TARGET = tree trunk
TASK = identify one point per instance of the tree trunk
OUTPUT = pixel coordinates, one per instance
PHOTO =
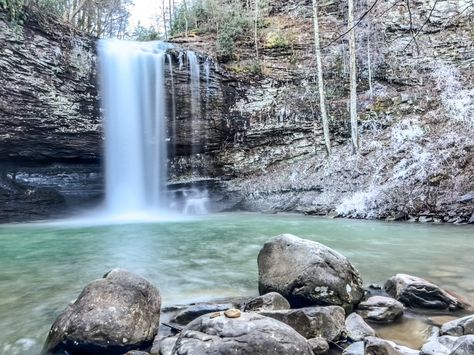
(322, 96)
(353, 78)
(256, 29)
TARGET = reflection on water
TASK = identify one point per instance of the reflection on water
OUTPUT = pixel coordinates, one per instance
(43, 267)
(410, 332)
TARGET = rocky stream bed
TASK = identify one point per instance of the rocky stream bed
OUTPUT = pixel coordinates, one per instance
(312, 301)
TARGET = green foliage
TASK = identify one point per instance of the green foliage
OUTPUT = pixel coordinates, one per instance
(226, 18)
(141, 33)
(15, 8)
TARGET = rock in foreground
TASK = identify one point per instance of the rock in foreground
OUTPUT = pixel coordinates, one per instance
(272, 301)
(250, 333)
(307, 273)
(459, 327)
(416, 292)
(313, 322)
(112, 315)
(380, 309)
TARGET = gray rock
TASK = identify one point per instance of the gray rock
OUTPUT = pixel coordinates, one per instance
(356, 348)
(414, 291)
(459, 327)
(272, 301)
(251, 333)
(377, 346)
(119, 312)
(307, 273)
(313, 322)
(194, 311)
(137, 352)
(318, 345)
(463, 346)
(380, 309)
(167, 345)
(357, 329)
(438, 346)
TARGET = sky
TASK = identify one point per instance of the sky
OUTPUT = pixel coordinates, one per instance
(144, 12)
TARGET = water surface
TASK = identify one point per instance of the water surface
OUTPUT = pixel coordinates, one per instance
(45, 266)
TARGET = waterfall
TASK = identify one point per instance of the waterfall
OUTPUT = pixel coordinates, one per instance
(173, 106)
(133, 100)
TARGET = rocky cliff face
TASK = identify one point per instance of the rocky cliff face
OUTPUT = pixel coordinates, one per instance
(48, 97)
(416, 159)
(258, 129)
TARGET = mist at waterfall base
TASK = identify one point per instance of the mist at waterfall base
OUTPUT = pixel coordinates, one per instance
(133, 92)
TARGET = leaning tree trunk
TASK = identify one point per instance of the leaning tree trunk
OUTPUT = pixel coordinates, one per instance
(322, 96)
(353, 78)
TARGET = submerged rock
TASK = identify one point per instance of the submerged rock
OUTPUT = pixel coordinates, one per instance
(307, 273)
(357, 329)
(271, 301)
(415, 292)
(251, 333)
(380, 309)
(112, 315)
(459, 327)
(313, 322)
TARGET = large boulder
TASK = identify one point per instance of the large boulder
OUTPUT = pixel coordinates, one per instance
(307, 273)
(112, 315)
(245, 333)
(459, 327)
(416, 292)
(380, 309)
(271, 301)
(313, 322)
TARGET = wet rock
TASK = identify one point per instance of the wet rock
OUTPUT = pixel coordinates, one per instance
(459, 327)
(415, 292)
(313, 322)
(251, 333)
(271, 301)
(119, 312)
(166, 346)
(380, 309)
(357, 329)
(318, 345)
(137, 352)
(307, 273)
(192, 312)
(356, 348)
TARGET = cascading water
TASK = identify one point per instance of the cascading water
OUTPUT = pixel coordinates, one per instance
(194, 72)
(133, 99)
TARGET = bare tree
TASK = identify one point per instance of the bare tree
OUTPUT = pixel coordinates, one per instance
(256, 29)
(322, 96)
(353, 77)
